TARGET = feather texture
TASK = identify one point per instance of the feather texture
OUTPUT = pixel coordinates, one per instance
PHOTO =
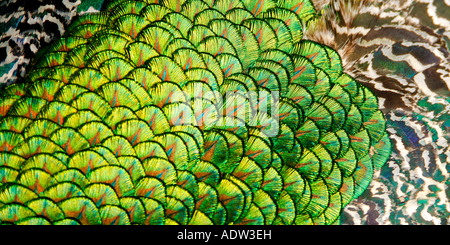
(152, 113)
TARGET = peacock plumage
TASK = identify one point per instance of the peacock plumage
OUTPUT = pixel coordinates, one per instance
(188, 112)
(400, 50)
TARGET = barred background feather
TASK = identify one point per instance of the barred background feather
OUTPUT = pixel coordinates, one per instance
(400, 50)
(395, 50)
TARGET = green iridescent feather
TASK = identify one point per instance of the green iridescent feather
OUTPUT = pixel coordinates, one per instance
(126, 120)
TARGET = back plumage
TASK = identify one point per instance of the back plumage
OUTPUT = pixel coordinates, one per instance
(400, 50)
(187, 112)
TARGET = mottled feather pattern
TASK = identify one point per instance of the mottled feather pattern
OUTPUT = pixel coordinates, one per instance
(400, 49)
(25, 28)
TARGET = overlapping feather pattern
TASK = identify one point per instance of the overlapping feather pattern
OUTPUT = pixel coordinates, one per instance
(123, 121)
